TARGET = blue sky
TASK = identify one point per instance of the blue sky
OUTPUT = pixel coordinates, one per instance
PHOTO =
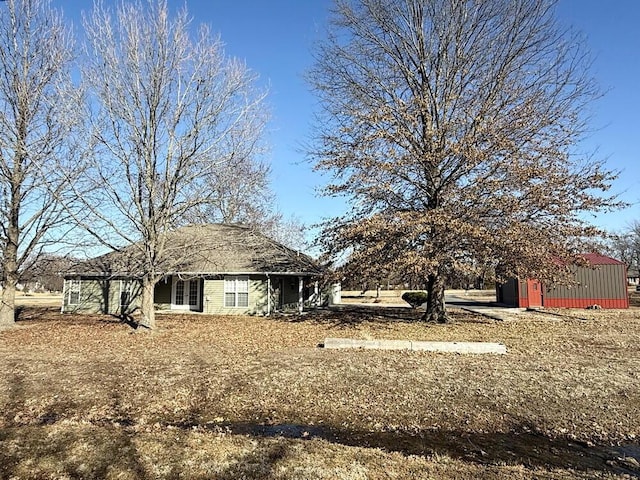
(275, 37)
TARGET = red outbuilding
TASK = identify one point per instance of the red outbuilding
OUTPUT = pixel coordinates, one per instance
(603, 283)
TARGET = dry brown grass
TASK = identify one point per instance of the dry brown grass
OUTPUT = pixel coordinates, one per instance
(246, 397)
(394, 297)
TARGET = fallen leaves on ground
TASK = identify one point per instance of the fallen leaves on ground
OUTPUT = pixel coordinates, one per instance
(252, 397)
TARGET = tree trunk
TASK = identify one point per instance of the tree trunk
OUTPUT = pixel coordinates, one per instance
(147, 308)
(10, 266)
(435, 311)
(8, 306)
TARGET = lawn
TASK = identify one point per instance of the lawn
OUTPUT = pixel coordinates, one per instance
(247, 397)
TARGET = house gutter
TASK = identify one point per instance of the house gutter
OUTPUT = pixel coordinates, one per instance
(194, 274)
(283, 274)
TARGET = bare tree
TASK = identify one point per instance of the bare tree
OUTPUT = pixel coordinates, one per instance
(289, 231)
(450, 124)
(240, 192)
(625, 246)
(46, 271)
(37, 108)
(168, 111)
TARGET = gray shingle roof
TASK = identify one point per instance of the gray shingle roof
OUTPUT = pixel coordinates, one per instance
(207, 249)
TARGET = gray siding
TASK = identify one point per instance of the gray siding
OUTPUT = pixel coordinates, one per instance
(104, 296)
(601, 282)
(99, 296)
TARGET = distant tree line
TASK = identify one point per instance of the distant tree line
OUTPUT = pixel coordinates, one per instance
(625, 246)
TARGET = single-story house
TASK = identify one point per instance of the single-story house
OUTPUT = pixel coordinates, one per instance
(213, 268)
(603, 283)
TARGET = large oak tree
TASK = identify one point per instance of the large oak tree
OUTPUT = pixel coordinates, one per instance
(451, 125)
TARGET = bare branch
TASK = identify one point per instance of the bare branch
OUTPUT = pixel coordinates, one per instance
(170, 115)
(37, 128)
(450, 125)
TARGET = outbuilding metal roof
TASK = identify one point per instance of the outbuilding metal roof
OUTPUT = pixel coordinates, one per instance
(596, 259)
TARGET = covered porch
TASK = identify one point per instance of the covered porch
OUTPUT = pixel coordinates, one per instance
(238, 293)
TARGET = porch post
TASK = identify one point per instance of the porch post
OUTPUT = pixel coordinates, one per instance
(268, 295)
(300, 294)
(316, 293)
(64, 291)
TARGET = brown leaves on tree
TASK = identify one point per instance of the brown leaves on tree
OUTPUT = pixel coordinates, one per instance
(452, 126)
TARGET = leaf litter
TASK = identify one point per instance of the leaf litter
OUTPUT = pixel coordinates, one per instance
(253, 397)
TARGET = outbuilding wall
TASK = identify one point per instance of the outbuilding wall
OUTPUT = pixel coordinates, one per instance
(604, 285)
(507, 293)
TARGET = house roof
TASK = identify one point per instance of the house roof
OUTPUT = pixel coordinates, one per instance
(206, 249)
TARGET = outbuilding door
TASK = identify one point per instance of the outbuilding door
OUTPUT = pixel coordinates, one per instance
(534, 293)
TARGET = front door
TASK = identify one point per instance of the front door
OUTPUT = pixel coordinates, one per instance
(185, 294)
(534, 293)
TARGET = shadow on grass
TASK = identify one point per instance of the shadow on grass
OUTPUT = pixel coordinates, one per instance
(127, 319)
(69, 454)
(514, 448)
(104, 449)
(117, 444)
(255, 464)
(24, 314)
(353, 315)
(347, 315)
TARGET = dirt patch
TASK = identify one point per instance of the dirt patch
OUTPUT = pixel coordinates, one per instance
(249, 397)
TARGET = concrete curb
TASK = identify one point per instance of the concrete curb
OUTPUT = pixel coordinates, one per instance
(450, 347)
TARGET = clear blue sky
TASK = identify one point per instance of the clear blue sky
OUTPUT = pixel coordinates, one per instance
(274, 37)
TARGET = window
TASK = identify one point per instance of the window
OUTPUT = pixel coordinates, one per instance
(180, 292)
(74, 292)
(185, 294)
(236, 292)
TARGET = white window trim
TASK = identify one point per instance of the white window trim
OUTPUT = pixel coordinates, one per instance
(227, 282)
(187, 283)
(71, 290)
